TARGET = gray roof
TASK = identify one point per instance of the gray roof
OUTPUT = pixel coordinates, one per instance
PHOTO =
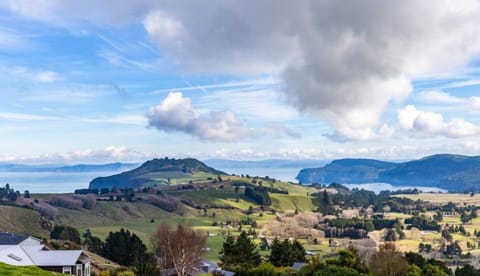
(7, 238)
(41, 257)
(298, 265)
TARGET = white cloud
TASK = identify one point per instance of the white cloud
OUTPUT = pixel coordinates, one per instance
(47, 76)
(474, 102)
(126, 119)
(439, 97)
(24, 117)
(105, 155)
(176, 114)
(424, 124)
(346, 133)
(343, 62)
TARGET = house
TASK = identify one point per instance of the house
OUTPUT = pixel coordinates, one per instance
(23, 250)
(298, 265)
(205, 267)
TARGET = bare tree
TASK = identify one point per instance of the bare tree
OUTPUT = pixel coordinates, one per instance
(387, 261)
(180, 248)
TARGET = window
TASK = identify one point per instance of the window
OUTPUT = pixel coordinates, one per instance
(67, 270)
(15, 257)
(87, 269)
(79, 269)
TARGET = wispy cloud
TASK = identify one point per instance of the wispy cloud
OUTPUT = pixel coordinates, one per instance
(25, 117)
(47, 76)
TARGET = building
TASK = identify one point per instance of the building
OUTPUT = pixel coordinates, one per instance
(23, 250)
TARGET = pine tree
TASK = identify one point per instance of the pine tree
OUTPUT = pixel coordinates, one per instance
(228, 253)
(239, 255)
(276, 252)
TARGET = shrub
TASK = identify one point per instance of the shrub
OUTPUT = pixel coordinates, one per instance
(88, 201)
(45, 209)
(66, 202)
(166, 203)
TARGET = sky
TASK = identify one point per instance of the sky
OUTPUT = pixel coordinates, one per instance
(129, 80)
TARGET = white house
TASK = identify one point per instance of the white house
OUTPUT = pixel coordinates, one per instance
(23, 250)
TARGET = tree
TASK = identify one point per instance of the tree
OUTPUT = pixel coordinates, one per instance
(286, 253)
(94, 244)
(388, 261)
(127, 249)
(239, 254)
(26, 194)
(180, 248)
(66, 233)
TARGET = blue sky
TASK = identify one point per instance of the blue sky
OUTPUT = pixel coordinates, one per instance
(82, 81)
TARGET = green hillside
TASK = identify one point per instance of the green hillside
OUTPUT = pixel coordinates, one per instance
(451, 172)
(158, 172)
(9, 270)
(22, 220)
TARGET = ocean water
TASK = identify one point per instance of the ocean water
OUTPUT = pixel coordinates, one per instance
(378, 187)
(49, 182)
(66, 182)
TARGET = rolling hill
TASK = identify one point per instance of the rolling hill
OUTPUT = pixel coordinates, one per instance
(159, 172)
(446, 171)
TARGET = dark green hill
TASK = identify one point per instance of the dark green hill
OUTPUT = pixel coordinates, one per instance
(157, 171)
(447, 171)
(345, 171)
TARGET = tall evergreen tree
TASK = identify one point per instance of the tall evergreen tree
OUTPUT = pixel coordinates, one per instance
(228, 253)
(241, 256)
(286, 253)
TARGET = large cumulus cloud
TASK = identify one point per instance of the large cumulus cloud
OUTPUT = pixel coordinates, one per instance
(176, 114)
(343, 60)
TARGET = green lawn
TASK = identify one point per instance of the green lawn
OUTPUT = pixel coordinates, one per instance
(8, 270)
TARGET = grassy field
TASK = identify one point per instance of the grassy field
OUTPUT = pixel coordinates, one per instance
(462, 199)
(21, 220)
(222, 206)
(8, 270)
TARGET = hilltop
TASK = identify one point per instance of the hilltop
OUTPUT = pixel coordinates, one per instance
(446, 171)
(158, 172)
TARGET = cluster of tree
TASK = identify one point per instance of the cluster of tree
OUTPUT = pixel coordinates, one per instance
(86, 191)
(452, 249)
(455, 229)
(413, 191)
(422, 223)
(380, 223)
(285, 253)
(347, 232)
(424, 247)
(468, 215)
(239, 254)
(75, 202)
(8, 194)
(66, 233)
(356, 198)
(127, 249)
(258, 195)
(424, 266)
(166, 203)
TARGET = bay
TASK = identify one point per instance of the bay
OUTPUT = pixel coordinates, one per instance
(50, 182)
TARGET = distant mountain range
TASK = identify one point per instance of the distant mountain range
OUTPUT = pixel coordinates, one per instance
(80, 168)
(157, 171)
(446, 171)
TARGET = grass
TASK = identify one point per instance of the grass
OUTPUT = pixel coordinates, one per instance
(143, 219)
(460, 199)
(21, 220)
(9, 270)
